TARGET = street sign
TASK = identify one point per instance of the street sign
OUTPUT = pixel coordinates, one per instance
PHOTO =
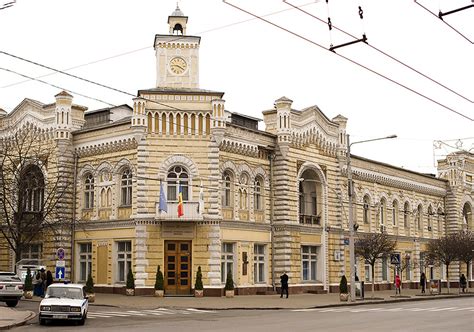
(60, 253)
(60, 263)
(60, 272)
(346, 241)
(395, 259)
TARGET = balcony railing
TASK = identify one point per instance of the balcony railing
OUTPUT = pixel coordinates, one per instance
(191, 211)
(310, 219)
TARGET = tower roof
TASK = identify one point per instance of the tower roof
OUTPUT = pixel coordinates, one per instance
(177, 12)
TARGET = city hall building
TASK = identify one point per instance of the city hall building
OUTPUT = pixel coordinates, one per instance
(254, 203)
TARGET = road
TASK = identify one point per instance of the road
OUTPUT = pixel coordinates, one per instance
(435, 315)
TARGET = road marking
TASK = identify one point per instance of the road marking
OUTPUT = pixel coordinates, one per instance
(165, 311)
(304, 310)
(394, 309)
(442, 309)
(333, 310)
(105, 314)
(199, 310)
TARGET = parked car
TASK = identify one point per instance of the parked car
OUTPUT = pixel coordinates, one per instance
(34, 265)
(64, 301)
(11, 288)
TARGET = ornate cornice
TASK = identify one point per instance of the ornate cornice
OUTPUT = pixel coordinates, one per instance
(112, 145)
(395, 181)
(243, 148)
(248, 225)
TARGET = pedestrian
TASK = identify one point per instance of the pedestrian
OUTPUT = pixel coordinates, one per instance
(284, 284)
(42, 279)
(463, 282)
(423, 282)
(49, 279)
(398, 284)
(38, 285)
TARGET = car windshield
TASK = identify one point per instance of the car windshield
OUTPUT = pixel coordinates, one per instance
(64, 292)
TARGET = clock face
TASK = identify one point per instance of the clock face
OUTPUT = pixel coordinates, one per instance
(178, 65)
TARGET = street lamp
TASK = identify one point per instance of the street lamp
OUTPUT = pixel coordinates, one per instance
(351, 217)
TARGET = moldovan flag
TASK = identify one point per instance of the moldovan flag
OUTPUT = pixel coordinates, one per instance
(180, 202)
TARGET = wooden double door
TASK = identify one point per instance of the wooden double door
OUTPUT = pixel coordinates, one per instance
(177, 267)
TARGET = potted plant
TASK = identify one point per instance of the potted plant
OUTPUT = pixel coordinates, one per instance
(28, 288)
(90, 289)
(229, 286)
(343, 294)
(159, 283)
(130, 287)
(198, 287)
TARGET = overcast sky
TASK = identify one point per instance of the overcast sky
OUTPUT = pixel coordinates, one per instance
(255, 63)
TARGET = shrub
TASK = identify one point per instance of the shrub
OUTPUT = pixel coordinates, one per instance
(229, 284)
(343, 285)
(130, 280)
(28, 280)
(159, 283)
(198, 285)
(89, 284)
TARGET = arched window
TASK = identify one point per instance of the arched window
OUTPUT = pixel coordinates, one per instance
(257, 205)
(227, 189)
(406, 215)
(126, 188)
(177, 177)
(89, 192)
(383, 208)
(103, 198)
(243, 191)
(366, 215)
(394, 213)
(440, 221)
(430, 216)
(32, 189)
(419, 216)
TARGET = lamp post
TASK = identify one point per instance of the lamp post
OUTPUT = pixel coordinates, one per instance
(351, 217)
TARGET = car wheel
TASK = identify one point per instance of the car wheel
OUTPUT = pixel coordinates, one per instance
(12, 303)
(83, 320)
(42, 321)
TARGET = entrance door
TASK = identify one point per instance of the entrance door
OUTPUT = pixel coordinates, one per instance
(178, 267)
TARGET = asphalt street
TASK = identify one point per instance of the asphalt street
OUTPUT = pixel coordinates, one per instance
(436, 315)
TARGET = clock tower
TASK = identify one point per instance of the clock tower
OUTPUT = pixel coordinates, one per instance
(177, 55)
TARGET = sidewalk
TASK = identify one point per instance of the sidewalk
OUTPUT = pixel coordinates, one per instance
(10, 318)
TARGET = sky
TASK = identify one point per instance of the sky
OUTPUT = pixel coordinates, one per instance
(111, 42)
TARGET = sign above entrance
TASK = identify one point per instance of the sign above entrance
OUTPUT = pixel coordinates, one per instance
(177, 230)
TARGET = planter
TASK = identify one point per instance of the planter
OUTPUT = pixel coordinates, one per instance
(130, 291)
(343, 297)
(159, 293)
(91, 297)
(229, 293)
(198, 293)
(28, 294)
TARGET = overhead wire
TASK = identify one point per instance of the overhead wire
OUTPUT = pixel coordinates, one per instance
(352, 61)
(449, 25)
(383, 53)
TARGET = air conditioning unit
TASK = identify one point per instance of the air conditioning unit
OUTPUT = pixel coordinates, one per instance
(383, 228)
(337, 256)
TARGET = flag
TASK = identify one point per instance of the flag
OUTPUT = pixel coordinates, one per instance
(163, 204)
(180, 202)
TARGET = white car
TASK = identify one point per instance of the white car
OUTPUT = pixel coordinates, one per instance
(64, 301)
(11, 288)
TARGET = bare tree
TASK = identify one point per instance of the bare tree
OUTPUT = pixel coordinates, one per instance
(32, 189)
(444, 251)
(406, 263)
(465, 249)
(374, 246)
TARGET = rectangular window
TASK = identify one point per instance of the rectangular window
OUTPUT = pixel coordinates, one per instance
(227, 261)
(259, 263)
(408, 268)
(85, 261)
(124, 260)
(368, 272)
(394, 215)
(309, 262)
(32, 251)
(385, 269)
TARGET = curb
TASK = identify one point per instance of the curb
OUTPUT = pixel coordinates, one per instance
(23, 322)
(360, 303)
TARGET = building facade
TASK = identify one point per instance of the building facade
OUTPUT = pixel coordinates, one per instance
(253, 203)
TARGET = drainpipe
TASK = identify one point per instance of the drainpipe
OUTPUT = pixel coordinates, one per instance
(272, 226)
(73, 221)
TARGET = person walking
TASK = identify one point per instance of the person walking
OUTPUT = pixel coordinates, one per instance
(284, 284)
(463, 282)
(398, 284)
(423, 282)
(49, 279)
(42, 281)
